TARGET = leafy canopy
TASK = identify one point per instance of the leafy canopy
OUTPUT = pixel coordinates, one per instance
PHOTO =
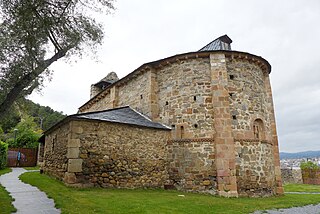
(309, 165)
(36, 33)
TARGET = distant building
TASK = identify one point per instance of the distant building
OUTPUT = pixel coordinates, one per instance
(200, 121)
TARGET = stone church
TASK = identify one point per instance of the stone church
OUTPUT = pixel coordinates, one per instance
(201, 121)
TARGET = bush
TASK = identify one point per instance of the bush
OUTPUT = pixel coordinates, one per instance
(309, 165)
(3, 154)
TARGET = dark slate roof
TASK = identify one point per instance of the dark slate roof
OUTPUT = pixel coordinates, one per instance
(124, 115)
(221, 43)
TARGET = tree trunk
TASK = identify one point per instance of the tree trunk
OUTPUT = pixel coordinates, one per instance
(25, 81)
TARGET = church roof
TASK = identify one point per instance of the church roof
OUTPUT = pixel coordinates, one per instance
(124, 115)
(221, 43)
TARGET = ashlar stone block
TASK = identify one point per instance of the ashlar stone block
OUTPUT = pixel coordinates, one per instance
(73, 152)
(75, 165)
(70, 178)
(74, 143)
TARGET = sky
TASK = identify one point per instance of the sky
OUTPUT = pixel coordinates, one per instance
(286, 33)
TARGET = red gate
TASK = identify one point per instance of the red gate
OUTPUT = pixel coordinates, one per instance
(28, 157)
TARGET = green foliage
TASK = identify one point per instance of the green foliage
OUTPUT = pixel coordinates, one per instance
(25, 134)
(309, 165)
(76, 200)
(29, 120)
(1, 133)
(36, 33)
(44, 116)
(3, 154)
(10, 120)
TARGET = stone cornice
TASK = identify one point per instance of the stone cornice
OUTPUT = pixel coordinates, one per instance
(190, 140)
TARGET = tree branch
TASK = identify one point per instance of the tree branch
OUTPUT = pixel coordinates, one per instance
(26, 80)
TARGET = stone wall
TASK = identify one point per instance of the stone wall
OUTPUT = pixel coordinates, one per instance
(192, 165)
(311, 176)
(103, 103)
(40, 154)
(55, 153)
(185, 97)
(136, 93)
(291, 176)
(118, 155)
(255, 168)
(247, 96)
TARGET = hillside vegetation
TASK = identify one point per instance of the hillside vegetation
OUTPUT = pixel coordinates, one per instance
(25, 122)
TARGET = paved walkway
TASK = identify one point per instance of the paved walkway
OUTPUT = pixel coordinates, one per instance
(27, 199)
(308, 209)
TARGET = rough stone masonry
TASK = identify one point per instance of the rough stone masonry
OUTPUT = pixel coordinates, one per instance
(212, 128)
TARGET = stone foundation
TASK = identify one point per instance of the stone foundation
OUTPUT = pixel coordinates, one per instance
(255, 168)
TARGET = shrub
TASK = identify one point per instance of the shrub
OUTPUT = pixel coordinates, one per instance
(3, 154)
(309, 165)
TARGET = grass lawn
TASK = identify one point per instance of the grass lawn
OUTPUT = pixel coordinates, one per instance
(5, 199)
(301, 188)
(98, 200)
(32, 168)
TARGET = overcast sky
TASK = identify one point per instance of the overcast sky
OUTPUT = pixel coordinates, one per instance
(286, 33)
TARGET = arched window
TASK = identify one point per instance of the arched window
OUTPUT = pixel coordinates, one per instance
(258, 129)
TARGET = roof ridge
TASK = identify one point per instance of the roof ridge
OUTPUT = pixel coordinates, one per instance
(106, 110)
(148, 118)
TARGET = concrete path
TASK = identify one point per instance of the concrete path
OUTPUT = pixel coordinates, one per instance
(27, 199)
(308, 209)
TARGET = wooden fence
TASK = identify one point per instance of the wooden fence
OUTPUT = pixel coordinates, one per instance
(28, 157)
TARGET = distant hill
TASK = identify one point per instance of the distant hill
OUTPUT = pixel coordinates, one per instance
(44, 116)
(307, 154)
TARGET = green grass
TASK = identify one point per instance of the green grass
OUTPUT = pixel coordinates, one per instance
(4, 171)
(301, 188)
(5, 199)
(98, 200)
(32, 168)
